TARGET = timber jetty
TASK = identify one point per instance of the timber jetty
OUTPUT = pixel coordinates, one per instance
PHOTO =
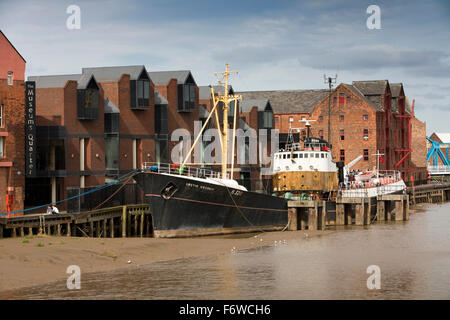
(136, 220)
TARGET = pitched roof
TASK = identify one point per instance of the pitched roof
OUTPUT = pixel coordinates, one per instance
(103, 74)
(12, 46)
(159, 98)
(205, 91)
(371, 87)
(247, 104)
(396, 89)
(289, 101)
(59, 81)
(374, 101)
(444, 137)
(163, 77)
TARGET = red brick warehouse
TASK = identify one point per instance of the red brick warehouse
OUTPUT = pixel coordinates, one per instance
(366, 116)
(12, 127)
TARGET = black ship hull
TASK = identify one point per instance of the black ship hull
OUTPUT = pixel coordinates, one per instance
(184, 206)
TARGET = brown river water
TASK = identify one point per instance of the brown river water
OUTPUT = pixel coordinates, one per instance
(413, 257)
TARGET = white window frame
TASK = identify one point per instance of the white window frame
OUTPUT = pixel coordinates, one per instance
(10, 78)
(1, 116)
(2, 147)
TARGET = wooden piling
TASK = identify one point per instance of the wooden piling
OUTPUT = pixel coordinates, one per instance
(406, 209)
(135, 225)
(105, 228)
(367, 212)
(340, 214)
(124, 221)
(142, 224)
(399, 210)
(111, 228)
(91, 229)
(13, 232)
(312, 218)
(22, 232)
(381, 213)
(323, 216)
(292, 218)
(359, 214)
(128, 224)
(68, 227)
(49, 230)
(58, 229)
(30, 231)
(1, 231)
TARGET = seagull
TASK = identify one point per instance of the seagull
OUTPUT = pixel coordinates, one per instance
(129, 261)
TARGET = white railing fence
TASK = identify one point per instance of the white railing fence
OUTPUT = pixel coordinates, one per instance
(182, 170)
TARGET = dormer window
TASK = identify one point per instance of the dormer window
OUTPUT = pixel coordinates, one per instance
(88, 101)
(143, 93)
(186, 97)
(140, 92)
(268, 119)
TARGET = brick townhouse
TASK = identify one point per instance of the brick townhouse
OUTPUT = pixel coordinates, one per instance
(70, 137)
(92, 128)
(179, 104)
(12, 127)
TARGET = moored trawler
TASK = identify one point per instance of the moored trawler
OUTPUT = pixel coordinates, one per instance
(308, 172)
(305, 170)
(187, 201)
(308, 169)
(194, 201)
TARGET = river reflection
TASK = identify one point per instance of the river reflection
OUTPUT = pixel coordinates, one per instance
(414, 258)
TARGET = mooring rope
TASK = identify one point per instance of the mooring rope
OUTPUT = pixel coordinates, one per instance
(114, 182)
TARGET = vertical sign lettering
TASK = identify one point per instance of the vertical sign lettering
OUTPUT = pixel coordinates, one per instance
(30, 128)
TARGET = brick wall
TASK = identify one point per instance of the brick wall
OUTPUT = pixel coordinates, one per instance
(10, 60)
(12, 98)
(353, 125)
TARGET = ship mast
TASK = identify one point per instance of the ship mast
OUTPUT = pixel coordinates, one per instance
(225, 99)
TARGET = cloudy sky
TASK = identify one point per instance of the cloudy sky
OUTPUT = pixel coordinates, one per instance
(274, 44)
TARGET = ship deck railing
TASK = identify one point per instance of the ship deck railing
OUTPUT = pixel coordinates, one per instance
(364, 192)
(171, 168)
(309, 147)
(384, 179)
